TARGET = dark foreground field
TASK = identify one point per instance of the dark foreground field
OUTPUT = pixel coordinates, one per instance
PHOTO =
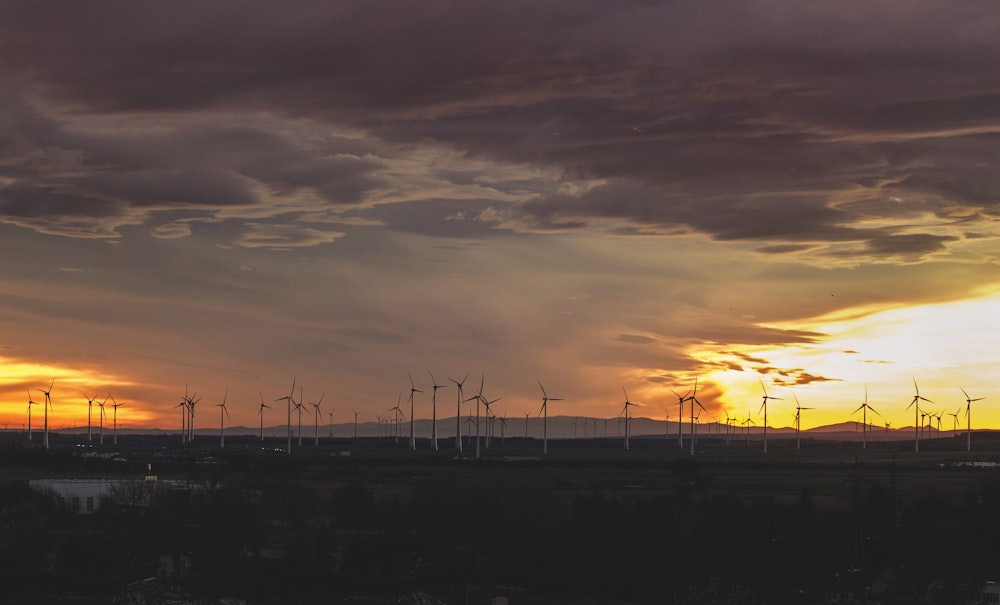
(589, 523)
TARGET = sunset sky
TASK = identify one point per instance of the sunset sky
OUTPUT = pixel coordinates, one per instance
(223, 195)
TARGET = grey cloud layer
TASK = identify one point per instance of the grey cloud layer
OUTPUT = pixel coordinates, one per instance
(864, 126)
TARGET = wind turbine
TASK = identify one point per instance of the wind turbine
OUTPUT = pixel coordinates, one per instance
(434, 411)
(694, 399)
(90, 407)
(526, 414)
(680, 416)
(545, 417)
(223, 412)
(184, 414)
(479, 398)
(300, 407)
(863, 408)
(413, 419)
(30, 403)
(798, 418)
(115, 405)
(356, 424)
(193, 401)
(288, 399)
(316, 416)
(915, 404)
(490, 417)
(260, 412)
(763, 406)
(102, 415)
(331, 421)
(968, 419)
(399, 412)
(625, 411)
(458, 412)
(46, 406)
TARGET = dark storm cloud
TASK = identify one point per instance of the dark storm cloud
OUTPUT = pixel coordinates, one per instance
(777, 121)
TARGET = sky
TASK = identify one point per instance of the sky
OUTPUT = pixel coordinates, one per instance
(220, 197)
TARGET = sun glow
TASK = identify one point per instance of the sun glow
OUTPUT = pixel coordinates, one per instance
(941, 346)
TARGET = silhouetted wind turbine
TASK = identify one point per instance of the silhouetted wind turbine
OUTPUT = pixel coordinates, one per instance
(680, 416)
(102, 415)
(288, 399)
(30, 403)
(863, 408)
(798, 420)
(330, 413)
(223, 412)
(260, 412)
(434, 411)
(915, 404)
(479, 398)
(526, 414)
(193, 401)
(399, 412)
(413, 419)
(300, 407)
(545, 417)
(763, 406)
(46, 406)
(316, 415)
(458, 412)
(184, 414)
(115, 405)
(490, 416)
(694, 399)
(356, 424)
(968, 419)
(90, 407)
(627, 414)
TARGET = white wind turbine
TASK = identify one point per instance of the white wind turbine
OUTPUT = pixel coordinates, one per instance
(954, 421)
(915, 404)
(223, 412)
(458, 412)
(968, 419)
(434, 411)
(798, 419)
(260, 412)
(763, 406)
(490, 417)
(316, 415)
(863, 408)
(627, 415)
(46, 407)
(545, 417)
(413, 419)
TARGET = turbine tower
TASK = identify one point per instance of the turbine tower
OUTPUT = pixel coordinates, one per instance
(915, 404)
(526, 414)
(260, 412)
(479, 398)
(223, 412)
(763, 406)
(356, 424)
(434, 411)
(413, 419)
(863, 408)
(102, 415)
(399, 412)
(46, 407)
(968, 419)
(458, 413)
(300, 407)
(545, 417)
